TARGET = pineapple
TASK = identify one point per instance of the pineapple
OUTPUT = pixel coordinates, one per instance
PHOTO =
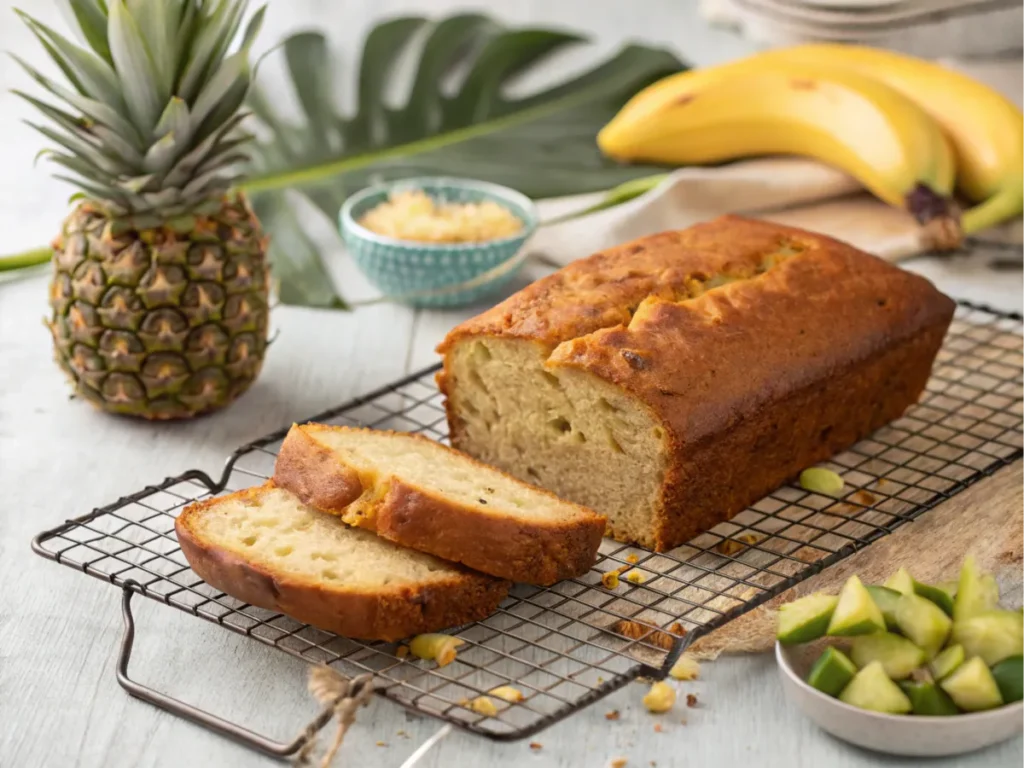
(159, 291)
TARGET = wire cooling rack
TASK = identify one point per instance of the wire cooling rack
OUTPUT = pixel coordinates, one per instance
(568, 645)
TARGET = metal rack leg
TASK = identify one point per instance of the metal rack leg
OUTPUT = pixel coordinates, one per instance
(219, 725)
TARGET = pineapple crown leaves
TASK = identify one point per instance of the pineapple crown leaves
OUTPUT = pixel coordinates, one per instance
(149, 116)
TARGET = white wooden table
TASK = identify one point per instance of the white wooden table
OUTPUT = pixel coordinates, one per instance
(59, 631)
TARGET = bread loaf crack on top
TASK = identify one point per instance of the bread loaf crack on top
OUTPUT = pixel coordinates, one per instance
(671, 381)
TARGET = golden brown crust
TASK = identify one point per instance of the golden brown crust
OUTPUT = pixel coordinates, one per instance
(383, 613)
(533, 552)
(754, 379)
(312, 472)
(603, 290)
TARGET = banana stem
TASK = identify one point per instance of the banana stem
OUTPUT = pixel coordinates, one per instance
(25, 259)
(1003, 205)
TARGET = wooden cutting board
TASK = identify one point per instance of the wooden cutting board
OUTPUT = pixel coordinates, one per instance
(986, 520)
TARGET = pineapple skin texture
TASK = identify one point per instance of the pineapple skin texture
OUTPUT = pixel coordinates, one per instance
(162, 323)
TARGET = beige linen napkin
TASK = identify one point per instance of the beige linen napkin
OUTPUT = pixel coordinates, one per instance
(801, 193)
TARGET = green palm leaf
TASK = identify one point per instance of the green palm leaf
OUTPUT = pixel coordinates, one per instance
(542, 144)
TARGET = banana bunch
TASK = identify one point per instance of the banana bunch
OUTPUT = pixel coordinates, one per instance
(910, 131)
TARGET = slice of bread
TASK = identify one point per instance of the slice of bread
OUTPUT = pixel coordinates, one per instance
(424, 495)
(264, 546)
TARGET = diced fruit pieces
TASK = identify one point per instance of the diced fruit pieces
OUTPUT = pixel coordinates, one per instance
(886, 599)
(972, 687)
(898, 656)
(993, 636)
(832, 672)
(923, 623)
(1009, 676)
(805, 619)
(819, 480)
(855, 613)
(947, 661)
(872, 689)
(905, 584)
(928, 698)
(949, 587)
(976, 592)
(901, 581)
(937, 595)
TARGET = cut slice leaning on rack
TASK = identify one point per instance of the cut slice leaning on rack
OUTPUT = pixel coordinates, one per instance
(421, 494)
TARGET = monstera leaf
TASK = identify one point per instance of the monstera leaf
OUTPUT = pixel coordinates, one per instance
(542, 143)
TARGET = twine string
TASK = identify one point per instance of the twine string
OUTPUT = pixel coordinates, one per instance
(344, 697)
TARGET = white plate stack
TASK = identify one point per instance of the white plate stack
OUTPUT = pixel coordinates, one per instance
(928, 28)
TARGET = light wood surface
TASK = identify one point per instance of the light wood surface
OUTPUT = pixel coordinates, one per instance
(59, 702)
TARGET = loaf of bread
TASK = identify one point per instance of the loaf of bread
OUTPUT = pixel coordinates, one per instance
(421, 494)
(671, 381)
(264, 546)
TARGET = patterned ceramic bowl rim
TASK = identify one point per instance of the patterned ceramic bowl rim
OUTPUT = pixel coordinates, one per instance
(527, 211)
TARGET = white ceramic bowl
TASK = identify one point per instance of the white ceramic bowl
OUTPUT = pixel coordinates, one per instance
(913, 735)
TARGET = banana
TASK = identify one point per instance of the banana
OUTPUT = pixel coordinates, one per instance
(985, 129)
(840, 117)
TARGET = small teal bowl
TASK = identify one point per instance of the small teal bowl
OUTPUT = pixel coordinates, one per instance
(425, 274)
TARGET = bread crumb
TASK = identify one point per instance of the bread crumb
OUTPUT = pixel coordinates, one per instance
(402, 651)
(535, 745)
(632, 558)
(691, 700)
(435, 646)
(382, 743)
(619, 762)
(685, 668)
(660, 698)
(634, 630)
(657, 728)
(401, 733)
(600, 680)
(613, 715)
(483, 706)
(610, 580)
(635, 577)
(728, 547)
(507, 693)
(738, 544)
(864, 497)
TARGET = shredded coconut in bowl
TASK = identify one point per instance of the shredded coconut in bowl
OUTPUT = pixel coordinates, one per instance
(414, 215)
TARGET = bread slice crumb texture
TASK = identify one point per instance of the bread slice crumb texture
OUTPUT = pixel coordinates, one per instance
(277, 531)
(419, 462)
